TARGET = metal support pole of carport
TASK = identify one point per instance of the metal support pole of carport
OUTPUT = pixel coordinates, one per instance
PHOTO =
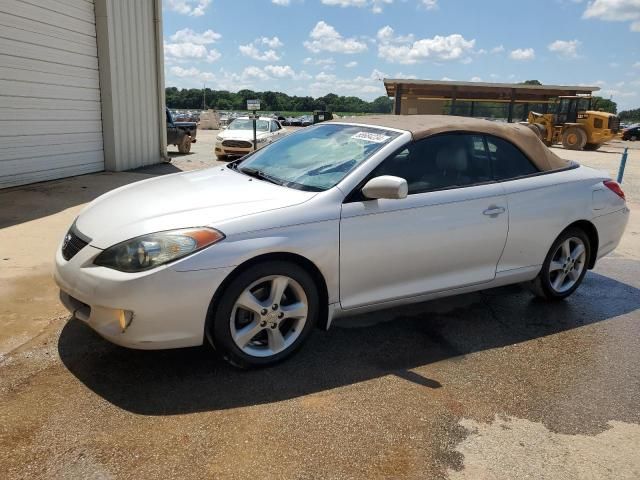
(397, 107)
(511, 103)
(452, 108)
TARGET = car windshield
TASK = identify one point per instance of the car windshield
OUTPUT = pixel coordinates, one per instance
(316, 158)
(247, 124)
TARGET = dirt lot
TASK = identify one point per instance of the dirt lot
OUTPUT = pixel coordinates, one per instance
(491, 385)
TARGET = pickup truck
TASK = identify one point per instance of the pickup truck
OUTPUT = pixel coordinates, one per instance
(180, 134)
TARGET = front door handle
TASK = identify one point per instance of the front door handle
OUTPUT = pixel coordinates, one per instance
(494, 211)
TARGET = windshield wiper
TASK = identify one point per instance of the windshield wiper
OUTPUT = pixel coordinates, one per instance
(255, 173)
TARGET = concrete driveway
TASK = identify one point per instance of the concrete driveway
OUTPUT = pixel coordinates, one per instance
(493, 385)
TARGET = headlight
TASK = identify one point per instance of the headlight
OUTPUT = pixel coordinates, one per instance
(219, 138)
(150, 251)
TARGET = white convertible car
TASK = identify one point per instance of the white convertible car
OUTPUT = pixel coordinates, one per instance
(335, 219)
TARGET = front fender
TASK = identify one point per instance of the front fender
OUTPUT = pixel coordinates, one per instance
(318, 242)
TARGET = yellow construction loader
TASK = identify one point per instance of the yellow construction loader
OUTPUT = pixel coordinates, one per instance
(574, 124)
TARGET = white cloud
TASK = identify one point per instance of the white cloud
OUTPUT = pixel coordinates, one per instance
(254, 72)
(351, 64)
(375, 5)
(185, 51)
(615, 11)
(194, 8)
(253, 49)
(282, 3)
(361, 86)
(326, 38)
(273, 42)
(186, 35)
(403, 49)
(498, 49)
(387, 34)
(476, 79)
(523, 54)
(565, 48)
(430, 4)
(280, 71)
(184, 72)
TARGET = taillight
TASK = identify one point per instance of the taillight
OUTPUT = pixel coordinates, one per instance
(615, 188)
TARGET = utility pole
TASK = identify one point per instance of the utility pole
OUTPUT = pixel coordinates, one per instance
(204, 96)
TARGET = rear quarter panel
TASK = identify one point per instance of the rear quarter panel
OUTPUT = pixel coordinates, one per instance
(540, 208)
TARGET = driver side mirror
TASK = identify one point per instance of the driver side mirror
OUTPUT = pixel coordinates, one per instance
(386, 186)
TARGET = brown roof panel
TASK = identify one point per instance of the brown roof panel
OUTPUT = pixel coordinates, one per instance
(421, 126)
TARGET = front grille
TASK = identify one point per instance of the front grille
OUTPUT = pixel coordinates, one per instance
(72, 245)
(614, 124)
(237, 144)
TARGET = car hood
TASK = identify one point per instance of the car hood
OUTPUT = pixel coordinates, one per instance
(202, 198)
(241, 134)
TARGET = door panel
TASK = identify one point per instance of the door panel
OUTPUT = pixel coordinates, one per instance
(426, 242)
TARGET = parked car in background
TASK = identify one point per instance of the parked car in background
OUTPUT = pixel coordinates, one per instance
(334, 220)
(237, 138)
(631, 133)
(180, 134)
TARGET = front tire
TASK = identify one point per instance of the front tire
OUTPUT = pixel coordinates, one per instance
(264, 314)
(185, 144)
(564, 267)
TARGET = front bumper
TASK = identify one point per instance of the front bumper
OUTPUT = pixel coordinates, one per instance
(220, 149)
(168, 307)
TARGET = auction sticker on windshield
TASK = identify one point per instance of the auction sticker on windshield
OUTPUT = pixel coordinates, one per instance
(371, 137)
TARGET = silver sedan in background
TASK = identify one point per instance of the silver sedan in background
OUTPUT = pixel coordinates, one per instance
(336, 219)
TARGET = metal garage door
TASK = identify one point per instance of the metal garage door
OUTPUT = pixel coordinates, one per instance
(50, 122)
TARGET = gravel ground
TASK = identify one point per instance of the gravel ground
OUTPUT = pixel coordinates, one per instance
(493, 385)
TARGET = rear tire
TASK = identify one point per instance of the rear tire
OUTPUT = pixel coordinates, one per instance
(264, 314)
(574, 138)
(185, 145)
(592, 147)
(564, 267)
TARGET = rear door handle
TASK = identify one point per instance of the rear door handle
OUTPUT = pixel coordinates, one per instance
(494, 211)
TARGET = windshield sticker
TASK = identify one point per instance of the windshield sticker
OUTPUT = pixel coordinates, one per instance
(371, 137)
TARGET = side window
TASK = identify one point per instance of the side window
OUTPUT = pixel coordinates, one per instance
(274, 126)
(440, 162)
(597, 122)
(507, 160)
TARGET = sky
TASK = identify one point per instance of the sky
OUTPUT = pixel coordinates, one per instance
(315, 47)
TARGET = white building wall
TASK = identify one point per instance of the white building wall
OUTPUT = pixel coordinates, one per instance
(50, 119)
(132, 83)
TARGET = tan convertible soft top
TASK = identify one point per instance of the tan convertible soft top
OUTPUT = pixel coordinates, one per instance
(422, 126)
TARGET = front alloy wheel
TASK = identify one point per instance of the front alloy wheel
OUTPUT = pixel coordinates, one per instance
(264, 314)
(269, 316)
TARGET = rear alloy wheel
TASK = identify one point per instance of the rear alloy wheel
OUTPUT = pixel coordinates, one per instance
(565, 266)
(185, 145)
(574, 138)
(264, 314)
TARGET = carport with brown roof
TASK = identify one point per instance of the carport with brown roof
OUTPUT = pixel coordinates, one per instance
(431, 96)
